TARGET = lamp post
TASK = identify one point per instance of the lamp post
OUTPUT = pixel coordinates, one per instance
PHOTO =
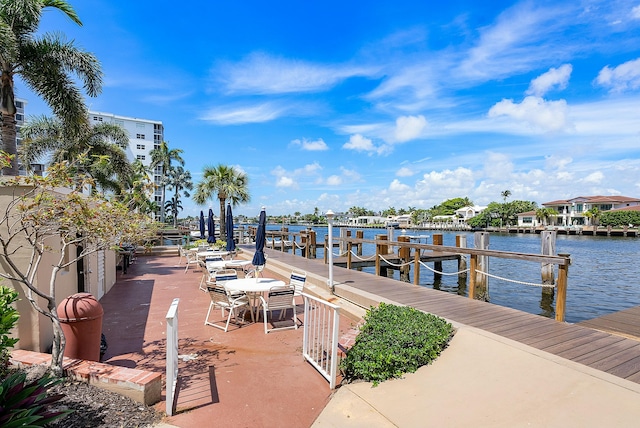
(330, 215)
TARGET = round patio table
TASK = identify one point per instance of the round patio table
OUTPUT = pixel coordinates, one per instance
(254, 287)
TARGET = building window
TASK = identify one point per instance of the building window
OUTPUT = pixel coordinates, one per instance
(158, 170)
(19, 117)
(578, 208)
(140, 146)
(527, 220)
(140, 157)
(140, 136)
(19, 104)
(97, 118)
(606, 207)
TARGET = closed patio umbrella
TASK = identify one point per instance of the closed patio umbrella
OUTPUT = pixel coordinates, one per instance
(211, 231)
(201, 225)
(258, 257)
(231, 245)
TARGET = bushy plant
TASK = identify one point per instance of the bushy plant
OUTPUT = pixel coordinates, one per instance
(395, 340)
(8, 319)
(26, 403)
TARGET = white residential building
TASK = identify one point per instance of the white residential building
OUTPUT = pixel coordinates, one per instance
(144, 136)
(572, 211)
(466, 213)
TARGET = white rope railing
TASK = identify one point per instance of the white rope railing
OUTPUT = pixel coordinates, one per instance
(533, 284)
(444, 273)
(364, 259)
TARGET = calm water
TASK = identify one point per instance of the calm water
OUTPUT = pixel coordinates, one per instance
(604, 275)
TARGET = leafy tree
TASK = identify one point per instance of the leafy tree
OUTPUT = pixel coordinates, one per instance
(162, 156)
(101, 146)
(138, 187)
(180, 181)
(620, 218)
(47, 63)
(228, 183)
(593, 215)
(391, 211)
(545, 214)
(37, 220)
(510, 210)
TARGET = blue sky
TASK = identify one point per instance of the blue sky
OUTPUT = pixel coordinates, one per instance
(399, 103)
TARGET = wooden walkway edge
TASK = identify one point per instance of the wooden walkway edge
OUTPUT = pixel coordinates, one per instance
(600, 350)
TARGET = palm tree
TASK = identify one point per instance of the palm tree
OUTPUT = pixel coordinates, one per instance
(505, 194)
(593, 214)
(228, 183)
(180, 181)
(163, 156)
(47, 64)
(138, 188)
(98, 148)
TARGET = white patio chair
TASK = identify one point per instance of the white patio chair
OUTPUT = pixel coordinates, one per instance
(279, 299)
(191, 259)
(221, 299)
(298, 279)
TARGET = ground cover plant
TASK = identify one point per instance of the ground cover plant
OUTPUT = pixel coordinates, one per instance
(394, 340)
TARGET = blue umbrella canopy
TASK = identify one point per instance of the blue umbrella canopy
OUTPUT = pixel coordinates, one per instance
(258, 257)
(201, 225)
(211, 231)
(231, 245)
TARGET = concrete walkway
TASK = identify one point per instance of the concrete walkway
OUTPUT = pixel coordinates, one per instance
(484, 380)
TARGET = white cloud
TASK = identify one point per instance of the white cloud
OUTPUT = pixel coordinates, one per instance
(594, 178)
(260, 73)
(397, 186)
(624, 77)
(404, 172)
(334, 180)
(317, 145)
(264, 112)
(359, 143)
(537, 112)
(409, 127)
(635, 12)
(555, 77)
(285, 182)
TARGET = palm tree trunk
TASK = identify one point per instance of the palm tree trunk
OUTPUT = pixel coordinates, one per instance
(9, 143)
(223, 229)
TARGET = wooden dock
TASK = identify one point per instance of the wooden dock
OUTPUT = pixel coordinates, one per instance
(624, 323)
(610, 353)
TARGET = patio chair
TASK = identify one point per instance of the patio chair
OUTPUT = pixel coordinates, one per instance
(298, 279)
(221, 299)
(191, 259)
(279, 299)
(208, 276)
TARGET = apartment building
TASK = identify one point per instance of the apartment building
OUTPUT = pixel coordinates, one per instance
(144, 136)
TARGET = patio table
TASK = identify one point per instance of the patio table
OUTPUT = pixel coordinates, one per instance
(254, 287)
(238, 264)
(211, 253)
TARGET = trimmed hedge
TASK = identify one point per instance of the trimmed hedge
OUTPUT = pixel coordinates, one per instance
(395, 340)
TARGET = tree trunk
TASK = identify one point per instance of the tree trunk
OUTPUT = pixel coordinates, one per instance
(59, 341)
(223, 220)
(9, 143)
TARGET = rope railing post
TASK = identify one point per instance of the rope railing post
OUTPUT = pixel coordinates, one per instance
(561, 301)
(349, 249)
(473, 265)
(416, 267)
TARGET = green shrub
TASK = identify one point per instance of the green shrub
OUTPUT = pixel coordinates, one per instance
(8, 319)
(26, 404)
(395, 340)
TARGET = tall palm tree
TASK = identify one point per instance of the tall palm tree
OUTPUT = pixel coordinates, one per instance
(228, 183)
(163, 156)
(98, 148)
(180, 181)
(505, 194)
(48, 64)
